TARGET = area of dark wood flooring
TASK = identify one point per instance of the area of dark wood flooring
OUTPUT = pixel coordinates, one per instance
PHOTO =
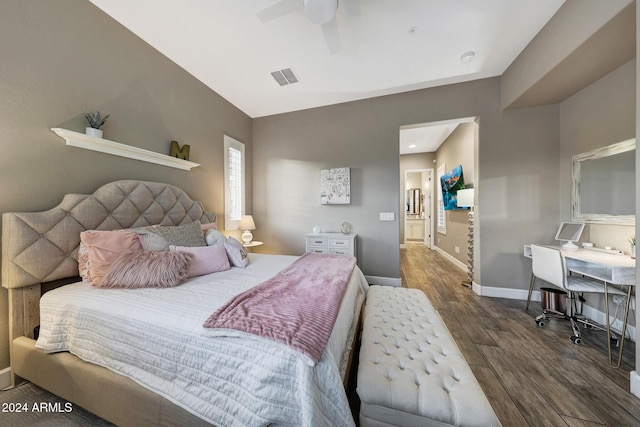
(532, 376)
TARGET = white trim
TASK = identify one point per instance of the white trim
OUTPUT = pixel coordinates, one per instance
(5, 378)
(232, 224)
(462, 266)
(403, 246)
(385, 281)
(440, 212)
(635, 383)
(80, 140)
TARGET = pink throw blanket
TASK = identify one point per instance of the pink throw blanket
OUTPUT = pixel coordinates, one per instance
(297, 307)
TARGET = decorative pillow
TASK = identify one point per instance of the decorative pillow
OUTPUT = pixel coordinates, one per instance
(214, 237)
(160, 238)
(104, 247)
(236, 252)
(209, 226)
(83, 261)
(148, 269)
(206, 259)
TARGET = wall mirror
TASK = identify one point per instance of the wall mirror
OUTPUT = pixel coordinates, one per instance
(604, 185)
(414, 201)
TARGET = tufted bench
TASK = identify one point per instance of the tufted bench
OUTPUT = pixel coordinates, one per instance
(411, 372)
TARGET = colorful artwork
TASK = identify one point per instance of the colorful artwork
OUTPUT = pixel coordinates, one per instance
(451, 182)
(335, 186)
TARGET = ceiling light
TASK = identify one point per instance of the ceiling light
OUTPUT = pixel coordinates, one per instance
(320, 11)
(468, 57)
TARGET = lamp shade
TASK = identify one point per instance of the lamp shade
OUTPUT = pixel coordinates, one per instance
(246, 223)
(465, 198)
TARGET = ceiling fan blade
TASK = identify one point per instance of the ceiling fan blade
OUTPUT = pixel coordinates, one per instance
(277, 10)
(332, 36)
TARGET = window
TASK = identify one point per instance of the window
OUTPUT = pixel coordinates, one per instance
(234, 187)
(442, 221)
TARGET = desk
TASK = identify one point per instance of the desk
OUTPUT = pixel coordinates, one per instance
(612, 269)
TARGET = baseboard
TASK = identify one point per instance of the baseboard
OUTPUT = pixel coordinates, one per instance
(635, 383)
(462, 266)
(521, 294)
(508, 293)
(386, 281)
(403, 246)
(5, 378)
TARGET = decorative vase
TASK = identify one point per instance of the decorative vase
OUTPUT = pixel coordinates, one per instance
(96, 133)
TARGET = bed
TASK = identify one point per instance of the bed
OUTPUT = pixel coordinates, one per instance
(152, 373)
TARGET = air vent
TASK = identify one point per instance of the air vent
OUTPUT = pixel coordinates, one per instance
(285, 77)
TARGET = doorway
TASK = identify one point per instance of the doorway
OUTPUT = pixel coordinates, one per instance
(418, 202)
(424, 149)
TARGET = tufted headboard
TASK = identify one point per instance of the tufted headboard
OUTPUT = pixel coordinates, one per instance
(42, 246)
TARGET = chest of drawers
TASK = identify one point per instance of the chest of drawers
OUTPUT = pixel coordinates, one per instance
(332, 243)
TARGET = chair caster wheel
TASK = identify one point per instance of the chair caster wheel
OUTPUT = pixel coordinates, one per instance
(540, 323)
(575, 339)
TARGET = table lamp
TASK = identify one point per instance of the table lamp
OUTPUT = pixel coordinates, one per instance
(246, 225)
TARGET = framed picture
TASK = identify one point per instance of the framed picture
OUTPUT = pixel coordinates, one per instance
(451, 182)
(335, 186)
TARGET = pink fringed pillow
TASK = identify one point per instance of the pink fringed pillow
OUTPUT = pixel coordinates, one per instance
(104, 247)
(206, 259)
(148, 269)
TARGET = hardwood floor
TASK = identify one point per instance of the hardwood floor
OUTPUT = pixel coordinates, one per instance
(532, 376)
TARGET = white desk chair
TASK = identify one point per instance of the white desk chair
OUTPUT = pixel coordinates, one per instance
(549, 265)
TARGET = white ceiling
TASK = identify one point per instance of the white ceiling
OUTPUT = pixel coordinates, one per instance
(424, 138)
(386, 46)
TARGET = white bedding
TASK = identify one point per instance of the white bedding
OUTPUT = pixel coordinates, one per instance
(156, 338)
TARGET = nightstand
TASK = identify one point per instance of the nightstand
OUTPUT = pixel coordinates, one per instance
(252, 244)
(332, 243)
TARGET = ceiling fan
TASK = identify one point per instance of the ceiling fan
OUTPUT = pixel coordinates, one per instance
(320, 12)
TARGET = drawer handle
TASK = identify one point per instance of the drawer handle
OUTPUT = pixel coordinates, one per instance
(339, 242)
(318, 241)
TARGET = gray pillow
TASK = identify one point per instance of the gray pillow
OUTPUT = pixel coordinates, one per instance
(160, 238)
(214, 237)
(236, 252)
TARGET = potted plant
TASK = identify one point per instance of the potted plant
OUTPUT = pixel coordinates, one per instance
(95, 123)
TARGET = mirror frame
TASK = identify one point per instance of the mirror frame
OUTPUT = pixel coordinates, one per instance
(578, 159)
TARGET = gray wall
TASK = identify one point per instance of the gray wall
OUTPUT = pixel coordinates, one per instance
(599, 115)
(63, 58)
(517, 169)
(458, 149)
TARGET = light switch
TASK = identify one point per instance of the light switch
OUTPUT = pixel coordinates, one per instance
(387, 216)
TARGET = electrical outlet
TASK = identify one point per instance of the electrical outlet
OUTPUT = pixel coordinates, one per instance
(457, 249)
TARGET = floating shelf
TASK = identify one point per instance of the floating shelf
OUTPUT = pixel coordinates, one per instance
(77, 139)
